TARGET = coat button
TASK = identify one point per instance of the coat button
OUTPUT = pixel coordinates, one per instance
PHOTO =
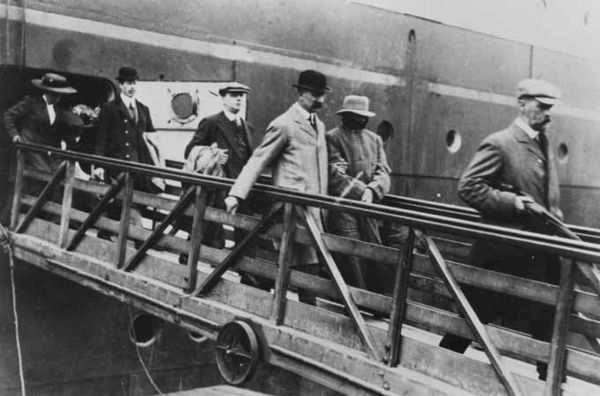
(127, 156)
(127, 144)
(125, 120)
(126, 132)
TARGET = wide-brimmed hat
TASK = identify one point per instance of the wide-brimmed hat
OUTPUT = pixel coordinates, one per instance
(231, 87)
(540, 90)
(313, 81)
(69, 124)
(127, 74)
(357, 105)
(53, 82)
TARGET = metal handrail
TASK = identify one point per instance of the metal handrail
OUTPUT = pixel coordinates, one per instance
(583, 251)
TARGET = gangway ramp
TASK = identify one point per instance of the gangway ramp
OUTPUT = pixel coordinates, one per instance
(346, 350)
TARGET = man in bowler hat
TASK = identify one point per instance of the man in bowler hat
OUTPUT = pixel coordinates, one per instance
(121, 127)
(295, 148)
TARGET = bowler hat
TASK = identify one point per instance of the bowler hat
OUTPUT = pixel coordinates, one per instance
(313, 81)
(539, 90)
(356, 104)
(54, 83)
(127, 74)
(233, 87)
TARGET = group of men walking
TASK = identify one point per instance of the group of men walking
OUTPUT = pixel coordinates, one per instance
(511, 175)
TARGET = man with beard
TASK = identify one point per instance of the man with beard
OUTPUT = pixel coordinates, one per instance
(294, 146)
(512, 175)
(358, 171)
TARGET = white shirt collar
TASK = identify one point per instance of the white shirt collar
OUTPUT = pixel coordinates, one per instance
(533, 134)
(302, 111)
(127, 100)
(231, 116)
(51, 110)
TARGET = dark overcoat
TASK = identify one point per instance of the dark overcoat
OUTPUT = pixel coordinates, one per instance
(121, 137)
(217, 128)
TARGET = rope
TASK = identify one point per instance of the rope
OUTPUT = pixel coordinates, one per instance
(5, 246)
(139, 355)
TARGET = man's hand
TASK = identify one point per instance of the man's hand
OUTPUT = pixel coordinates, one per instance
(231, 204)
(223, 158)
(340, 167)
(367, 196)
(16, 139)
(521, 201)
(98, 174)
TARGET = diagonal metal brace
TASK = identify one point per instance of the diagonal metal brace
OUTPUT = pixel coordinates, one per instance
(483, 337)
(157, 233)
(42, 197)
(211, 280)
(355, 315)
(112, 192)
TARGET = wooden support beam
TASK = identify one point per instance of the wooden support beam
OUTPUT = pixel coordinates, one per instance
(18, 193)
(125, 220)
(113, 190)
(556, 366)
(285, 266)
(158, 231)
(504, 374)
(357, 319)
(67, 205)
(196, 236)
(42, 197)
(211, 280)
(398, 312)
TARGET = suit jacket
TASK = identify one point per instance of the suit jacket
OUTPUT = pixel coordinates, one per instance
(217, 128)
(298, 157)
(29, 119)
(119, 136)
(510, 157)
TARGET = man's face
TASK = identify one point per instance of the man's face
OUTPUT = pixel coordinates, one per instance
(311, 101)
(52, 97)
(536, 114)
(128, 88)
(232, 101)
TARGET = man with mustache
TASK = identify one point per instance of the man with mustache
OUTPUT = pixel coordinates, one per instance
(295, 148)
(512, 175)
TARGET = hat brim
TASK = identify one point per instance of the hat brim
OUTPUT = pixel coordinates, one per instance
(547, 100)
(64, 90)
(321, 90)
(364, 113)
(222, 92)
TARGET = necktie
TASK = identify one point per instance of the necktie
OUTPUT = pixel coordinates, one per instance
(313, 120)
(543, 143)
(132, 112)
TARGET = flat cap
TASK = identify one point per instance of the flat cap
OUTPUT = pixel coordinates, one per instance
(539, 90)
(233, 87)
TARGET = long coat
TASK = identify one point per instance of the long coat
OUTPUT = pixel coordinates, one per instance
(511, 160)
(367, 168)
(30, 120)
(121, 137)
(298, 157)
(217, 128)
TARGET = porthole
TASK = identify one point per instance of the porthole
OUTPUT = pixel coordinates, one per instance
(563, 153)
(385, 130)
(143, 329)
(453, 141)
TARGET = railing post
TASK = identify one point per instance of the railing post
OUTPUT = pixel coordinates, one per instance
(560, 329)
(67, 203)
(125, 220)
(18, 192)
(196, 238)
(285, 266)
(398, 312)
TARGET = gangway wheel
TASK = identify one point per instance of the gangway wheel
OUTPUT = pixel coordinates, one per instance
(237, 352)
